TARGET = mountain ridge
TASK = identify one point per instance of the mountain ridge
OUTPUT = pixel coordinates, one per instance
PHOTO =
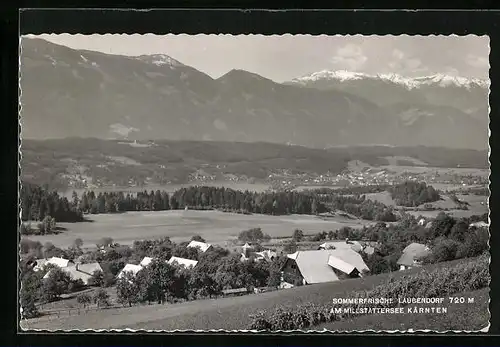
(67, 92)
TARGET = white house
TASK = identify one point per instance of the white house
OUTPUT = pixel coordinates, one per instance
(77, 271)
(61, 262)
(480, 224)
(202, 246)
(411, 256)
(134, 269)
(146, 261)
(187, 263)
(322, 266)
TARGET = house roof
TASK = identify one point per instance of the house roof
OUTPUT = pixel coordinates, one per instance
(354, 245)
(313, 265)
(146, 261)
(412, 252)
(348, 256)
(76, 274)
(89, 268)
(61, 262)
(183, 262)
(341, 265)
(316, 266)
(201, 245)
(134, 269)
(480, 224)
(267, 254)
(40, 263)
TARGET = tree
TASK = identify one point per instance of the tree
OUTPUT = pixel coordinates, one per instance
(104, 242)
(97, 279)
(127, 290)
(30, 291)
(161, 276)
(197, 238)
(298, 235)
(84, 299)
(253, 235)
(444, 250)
(314, 207)
(459, 230)
(290, 247)
(55, 284)
(101, 298)
(441, 226)
(75, 201)
(331, 235)
(78, 243)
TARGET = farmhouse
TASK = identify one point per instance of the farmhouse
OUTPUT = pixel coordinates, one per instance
(146, 261)
(479, 225)
(310, 267)
(134, 269)
(60, 262)
(187, 263)
(411, 255)
(266, 255)
(202, 246)
(79, 271)
(354, 245)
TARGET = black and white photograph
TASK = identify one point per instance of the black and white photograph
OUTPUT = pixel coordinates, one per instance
(256, 183)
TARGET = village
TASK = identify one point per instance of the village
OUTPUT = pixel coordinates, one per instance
(309, 262)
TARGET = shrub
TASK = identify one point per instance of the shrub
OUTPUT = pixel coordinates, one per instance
(84, 299)
(101, 298)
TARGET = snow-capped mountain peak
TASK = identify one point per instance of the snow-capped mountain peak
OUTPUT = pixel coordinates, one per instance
(159, 60)
(409, 82)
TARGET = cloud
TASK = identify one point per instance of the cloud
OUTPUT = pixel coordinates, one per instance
(350, 57)
(477, 61)
(396, 53)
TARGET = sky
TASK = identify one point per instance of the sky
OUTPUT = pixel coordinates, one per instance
(282, 58)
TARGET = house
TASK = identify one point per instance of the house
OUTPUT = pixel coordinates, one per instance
(187, 263)
(39, 264)
(134, 269)
(266, 255)
(145, 261)
(82, 272)
(243, 257)
(480, 224)
(202, 246)
(354, 245)
(421, 222)
(61, 262)
(88, 268)
(411, 255)
(235, 292)
(319, 266)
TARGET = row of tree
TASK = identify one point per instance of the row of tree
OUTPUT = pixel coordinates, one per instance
(38, 202)
(202, 197)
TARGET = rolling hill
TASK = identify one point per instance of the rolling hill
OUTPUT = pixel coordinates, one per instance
(79, 93)
(117, 162)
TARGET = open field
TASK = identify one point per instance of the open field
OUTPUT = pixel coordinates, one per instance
(225, 313)
(468, 317)
(475, 207)
(213, 226)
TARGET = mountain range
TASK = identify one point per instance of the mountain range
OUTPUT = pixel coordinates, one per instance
(79, 93)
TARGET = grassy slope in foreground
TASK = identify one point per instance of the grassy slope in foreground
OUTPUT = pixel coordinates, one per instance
(226, 313)
(468, 317)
